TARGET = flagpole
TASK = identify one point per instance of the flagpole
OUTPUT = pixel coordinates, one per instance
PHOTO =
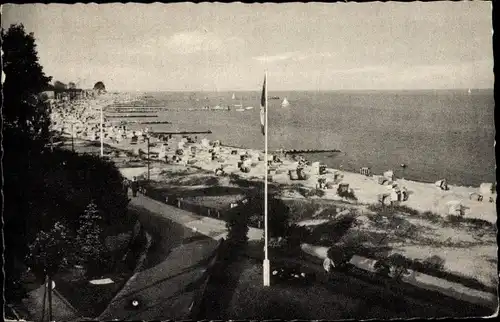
(266, 265)
(102, 143)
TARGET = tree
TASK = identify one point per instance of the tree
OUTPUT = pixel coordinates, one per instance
(71, 85)
(88, 244)
(26, 118)
(99, 86)
(237, 226)
(278, 214)
(48, 255)
(60, 86)
(26, 122)
(278, 218)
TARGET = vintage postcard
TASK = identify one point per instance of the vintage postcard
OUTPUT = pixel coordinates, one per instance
(231, 161)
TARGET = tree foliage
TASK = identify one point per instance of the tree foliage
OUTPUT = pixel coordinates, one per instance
(26, 118)
(60, 86)
(278, 214)
(58, 203)
(25, 134)
(88, 241)
(237, 226)
(50, 250)
(99, 86)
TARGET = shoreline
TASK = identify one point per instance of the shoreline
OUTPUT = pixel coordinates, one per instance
(196, 173)
(424, 196)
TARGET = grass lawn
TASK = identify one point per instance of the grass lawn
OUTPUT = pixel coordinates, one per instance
(243, 296)
(91, 300)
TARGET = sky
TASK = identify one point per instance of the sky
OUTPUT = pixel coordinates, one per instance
(226, 47)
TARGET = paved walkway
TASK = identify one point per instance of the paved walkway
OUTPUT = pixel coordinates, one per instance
(174, 267)
(216, 229)
(62, 310)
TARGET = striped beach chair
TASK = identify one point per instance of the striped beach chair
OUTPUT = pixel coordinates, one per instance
(365, 171)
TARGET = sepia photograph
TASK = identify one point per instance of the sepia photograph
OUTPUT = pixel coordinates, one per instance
(237, 161)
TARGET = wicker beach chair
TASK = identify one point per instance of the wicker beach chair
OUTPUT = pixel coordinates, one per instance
(365, 171)
(476, 196)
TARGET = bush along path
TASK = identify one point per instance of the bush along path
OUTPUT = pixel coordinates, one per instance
(146, 242)
(91, 298)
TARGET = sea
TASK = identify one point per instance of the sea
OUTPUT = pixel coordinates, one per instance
(436, 134)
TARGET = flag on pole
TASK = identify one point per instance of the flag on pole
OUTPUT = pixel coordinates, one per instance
(263, 104)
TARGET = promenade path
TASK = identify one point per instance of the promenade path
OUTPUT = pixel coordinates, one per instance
(166, 285)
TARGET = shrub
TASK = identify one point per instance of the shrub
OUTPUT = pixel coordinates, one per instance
(382, 267)
(434, 262)
(277, 242)
(349, 194)
(315, 192)
(400, 264)
(297, 235)
(340, 255)
(454, 220)
(237, 226)
(333, 231)
(478, 223)
(431, 216)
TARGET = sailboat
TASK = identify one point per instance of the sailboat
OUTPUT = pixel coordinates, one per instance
(239, 107)
(285, 103)
(234, 97)
(469, 91)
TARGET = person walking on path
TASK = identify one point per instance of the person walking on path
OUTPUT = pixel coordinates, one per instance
(135, 187)
(328, 266)
(126, 185)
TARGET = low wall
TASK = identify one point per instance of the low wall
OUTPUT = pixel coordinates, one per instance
(176, 201)
(200, 301)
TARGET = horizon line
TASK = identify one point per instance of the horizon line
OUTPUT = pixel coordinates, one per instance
(305, 90)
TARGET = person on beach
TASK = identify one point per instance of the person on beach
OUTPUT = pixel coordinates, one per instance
(135, 187)
(328, 266)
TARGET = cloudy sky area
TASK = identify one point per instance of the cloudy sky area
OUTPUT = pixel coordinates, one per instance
(228, 46)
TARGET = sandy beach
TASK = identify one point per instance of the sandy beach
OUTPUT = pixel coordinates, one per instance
(192, 163)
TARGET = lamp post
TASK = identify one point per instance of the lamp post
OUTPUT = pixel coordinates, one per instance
(147, 140)
(72, 138)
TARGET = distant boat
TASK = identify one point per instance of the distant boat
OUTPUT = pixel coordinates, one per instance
(234, 97)
(285, 103)
(274, 98)
(469, 91)
(240, 106)
(248, 107)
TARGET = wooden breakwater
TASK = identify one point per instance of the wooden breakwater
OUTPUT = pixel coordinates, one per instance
(138, 109)
(181, 133)
(155, 122)
(135, 111)
(129, 116)
(142, 122)
(293, 151)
